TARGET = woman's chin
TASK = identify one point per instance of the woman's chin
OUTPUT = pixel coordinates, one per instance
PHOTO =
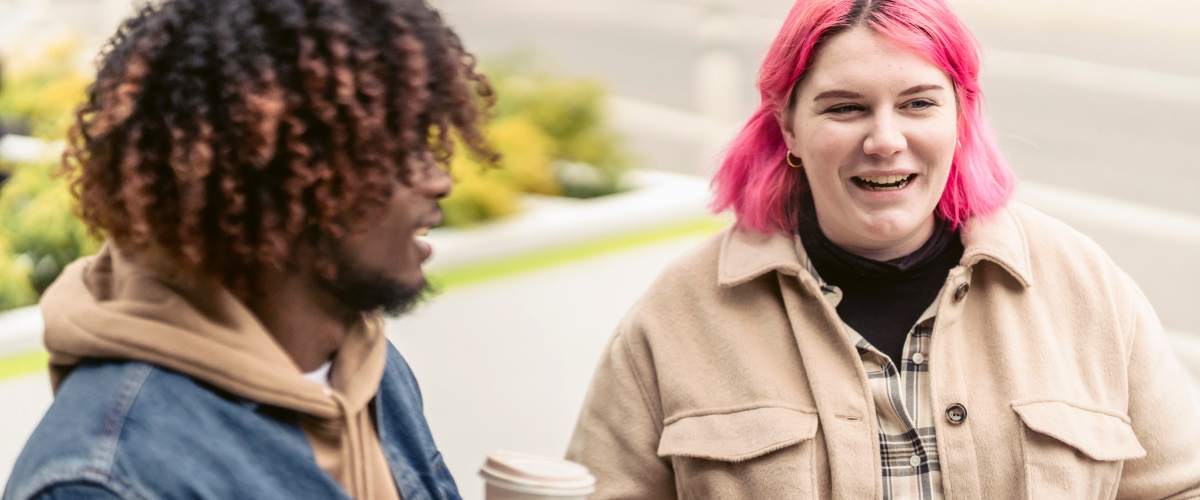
(888, 233)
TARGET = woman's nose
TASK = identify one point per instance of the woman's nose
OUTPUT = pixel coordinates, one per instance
(885, 138)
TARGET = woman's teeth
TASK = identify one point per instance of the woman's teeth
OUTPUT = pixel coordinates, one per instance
(424, 231)
(885, 182)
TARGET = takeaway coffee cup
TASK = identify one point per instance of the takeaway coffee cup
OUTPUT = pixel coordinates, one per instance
(517, 476)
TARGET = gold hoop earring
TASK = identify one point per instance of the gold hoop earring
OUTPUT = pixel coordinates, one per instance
(794, 164)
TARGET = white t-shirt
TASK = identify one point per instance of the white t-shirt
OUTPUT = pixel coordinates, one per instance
(320, 375)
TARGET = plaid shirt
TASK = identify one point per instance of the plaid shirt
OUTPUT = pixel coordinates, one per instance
(903, 408)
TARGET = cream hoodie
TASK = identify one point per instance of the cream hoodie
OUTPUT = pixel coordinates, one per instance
(109, 306)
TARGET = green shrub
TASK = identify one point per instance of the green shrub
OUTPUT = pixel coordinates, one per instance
(550, 130)
(37, 225)
(15, 288)
(44, 93)
(572, 113)
(552, 134)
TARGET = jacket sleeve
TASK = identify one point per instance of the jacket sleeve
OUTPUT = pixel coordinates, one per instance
(618, 431)
(1163, 410)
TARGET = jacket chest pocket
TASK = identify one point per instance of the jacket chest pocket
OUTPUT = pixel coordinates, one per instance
(759, 452)
(1071, 452)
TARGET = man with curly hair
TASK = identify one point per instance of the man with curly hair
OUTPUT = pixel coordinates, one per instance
(262, 170)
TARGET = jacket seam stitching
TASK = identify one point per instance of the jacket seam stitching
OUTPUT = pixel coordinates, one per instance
(730, 410)
(1128, 322)
(656, 417)
(1025, 458)
(742, 457)
(1024, 244)
(114, 423)
(1034, 400)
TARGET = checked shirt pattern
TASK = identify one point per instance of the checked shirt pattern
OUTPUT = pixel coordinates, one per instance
(903, 408)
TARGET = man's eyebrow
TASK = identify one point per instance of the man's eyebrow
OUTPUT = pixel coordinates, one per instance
(921, 88)
(837, 94)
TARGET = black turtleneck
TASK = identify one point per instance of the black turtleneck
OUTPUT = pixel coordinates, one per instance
(882, 300)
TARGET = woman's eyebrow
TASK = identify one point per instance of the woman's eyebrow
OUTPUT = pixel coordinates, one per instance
(837, 94)
(922, 88)
(846, 94)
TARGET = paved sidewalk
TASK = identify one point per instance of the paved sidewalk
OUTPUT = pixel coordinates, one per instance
(25, 399)
(506, 364)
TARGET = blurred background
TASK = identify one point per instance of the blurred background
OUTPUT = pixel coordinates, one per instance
(612, 115)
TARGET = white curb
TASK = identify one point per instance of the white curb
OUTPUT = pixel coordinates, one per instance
(659, 199)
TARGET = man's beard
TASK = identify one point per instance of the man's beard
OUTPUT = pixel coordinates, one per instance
(364, 291)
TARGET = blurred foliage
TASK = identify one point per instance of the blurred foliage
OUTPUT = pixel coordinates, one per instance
(552, 134)
(39, 234)
(15, 287)
(43, 94)
(481, 193)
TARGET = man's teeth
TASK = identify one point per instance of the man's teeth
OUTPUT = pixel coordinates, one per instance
(421, 232)
(884, 182)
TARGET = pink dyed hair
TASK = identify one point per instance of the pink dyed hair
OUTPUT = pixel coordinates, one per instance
(754, 179)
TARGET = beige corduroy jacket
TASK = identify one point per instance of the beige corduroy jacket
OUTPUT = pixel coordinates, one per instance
(733, 379)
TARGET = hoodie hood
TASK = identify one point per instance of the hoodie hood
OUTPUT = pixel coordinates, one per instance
(110, 306)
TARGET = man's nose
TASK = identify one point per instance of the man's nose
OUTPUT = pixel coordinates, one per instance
(433, 180)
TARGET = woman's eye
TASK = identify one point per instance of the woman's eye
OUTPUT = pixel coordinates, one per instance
(843, 109)
(921, 104)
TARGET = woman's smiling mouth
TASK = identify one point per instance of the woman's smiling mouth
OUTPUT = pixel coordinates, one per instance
(884, 182)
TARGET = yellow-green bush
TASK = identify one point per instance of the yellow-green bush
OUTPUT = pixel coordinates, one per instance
(572, 113)
(44, 93)
(15, 287)
(554, 141)
(39, 233)
(551, 132)
(482, 193)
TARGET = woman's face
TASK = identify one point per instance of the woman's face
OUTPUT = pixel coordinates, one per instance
(875, 126)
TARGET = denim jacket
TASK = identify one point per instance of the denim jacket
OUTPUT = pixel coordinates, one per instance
(131, 430)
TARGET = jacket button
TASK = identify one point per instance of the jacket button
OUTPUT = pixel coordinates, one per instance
(956, 413)
(961, 293)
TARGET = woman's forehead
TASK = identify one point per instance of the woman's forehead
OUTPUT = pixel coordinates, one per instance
(864, 59)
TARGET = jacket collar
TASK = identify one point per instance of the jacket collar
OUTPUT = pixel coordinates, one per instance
(998, 238)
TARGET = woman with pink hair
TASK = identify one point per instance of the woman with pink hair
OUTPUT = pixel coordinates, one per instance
(882, 321)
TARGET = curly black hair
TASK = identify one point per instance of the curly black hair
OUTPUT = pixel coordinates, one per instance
(225, 133)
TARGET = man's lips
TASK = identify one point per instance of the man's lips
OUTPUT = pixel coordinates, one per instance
(423, 247)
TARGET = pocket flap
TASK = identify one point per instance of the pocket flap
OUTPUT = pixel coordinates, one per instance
(1100, 436)
(737, 434)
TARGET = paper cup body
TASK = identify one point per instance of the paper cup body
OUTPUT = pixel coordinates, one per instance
(518, 476)
(493, 492)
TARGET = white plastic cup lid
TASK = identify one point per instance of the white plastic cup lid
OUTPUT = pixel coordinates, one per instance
(537, 475)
